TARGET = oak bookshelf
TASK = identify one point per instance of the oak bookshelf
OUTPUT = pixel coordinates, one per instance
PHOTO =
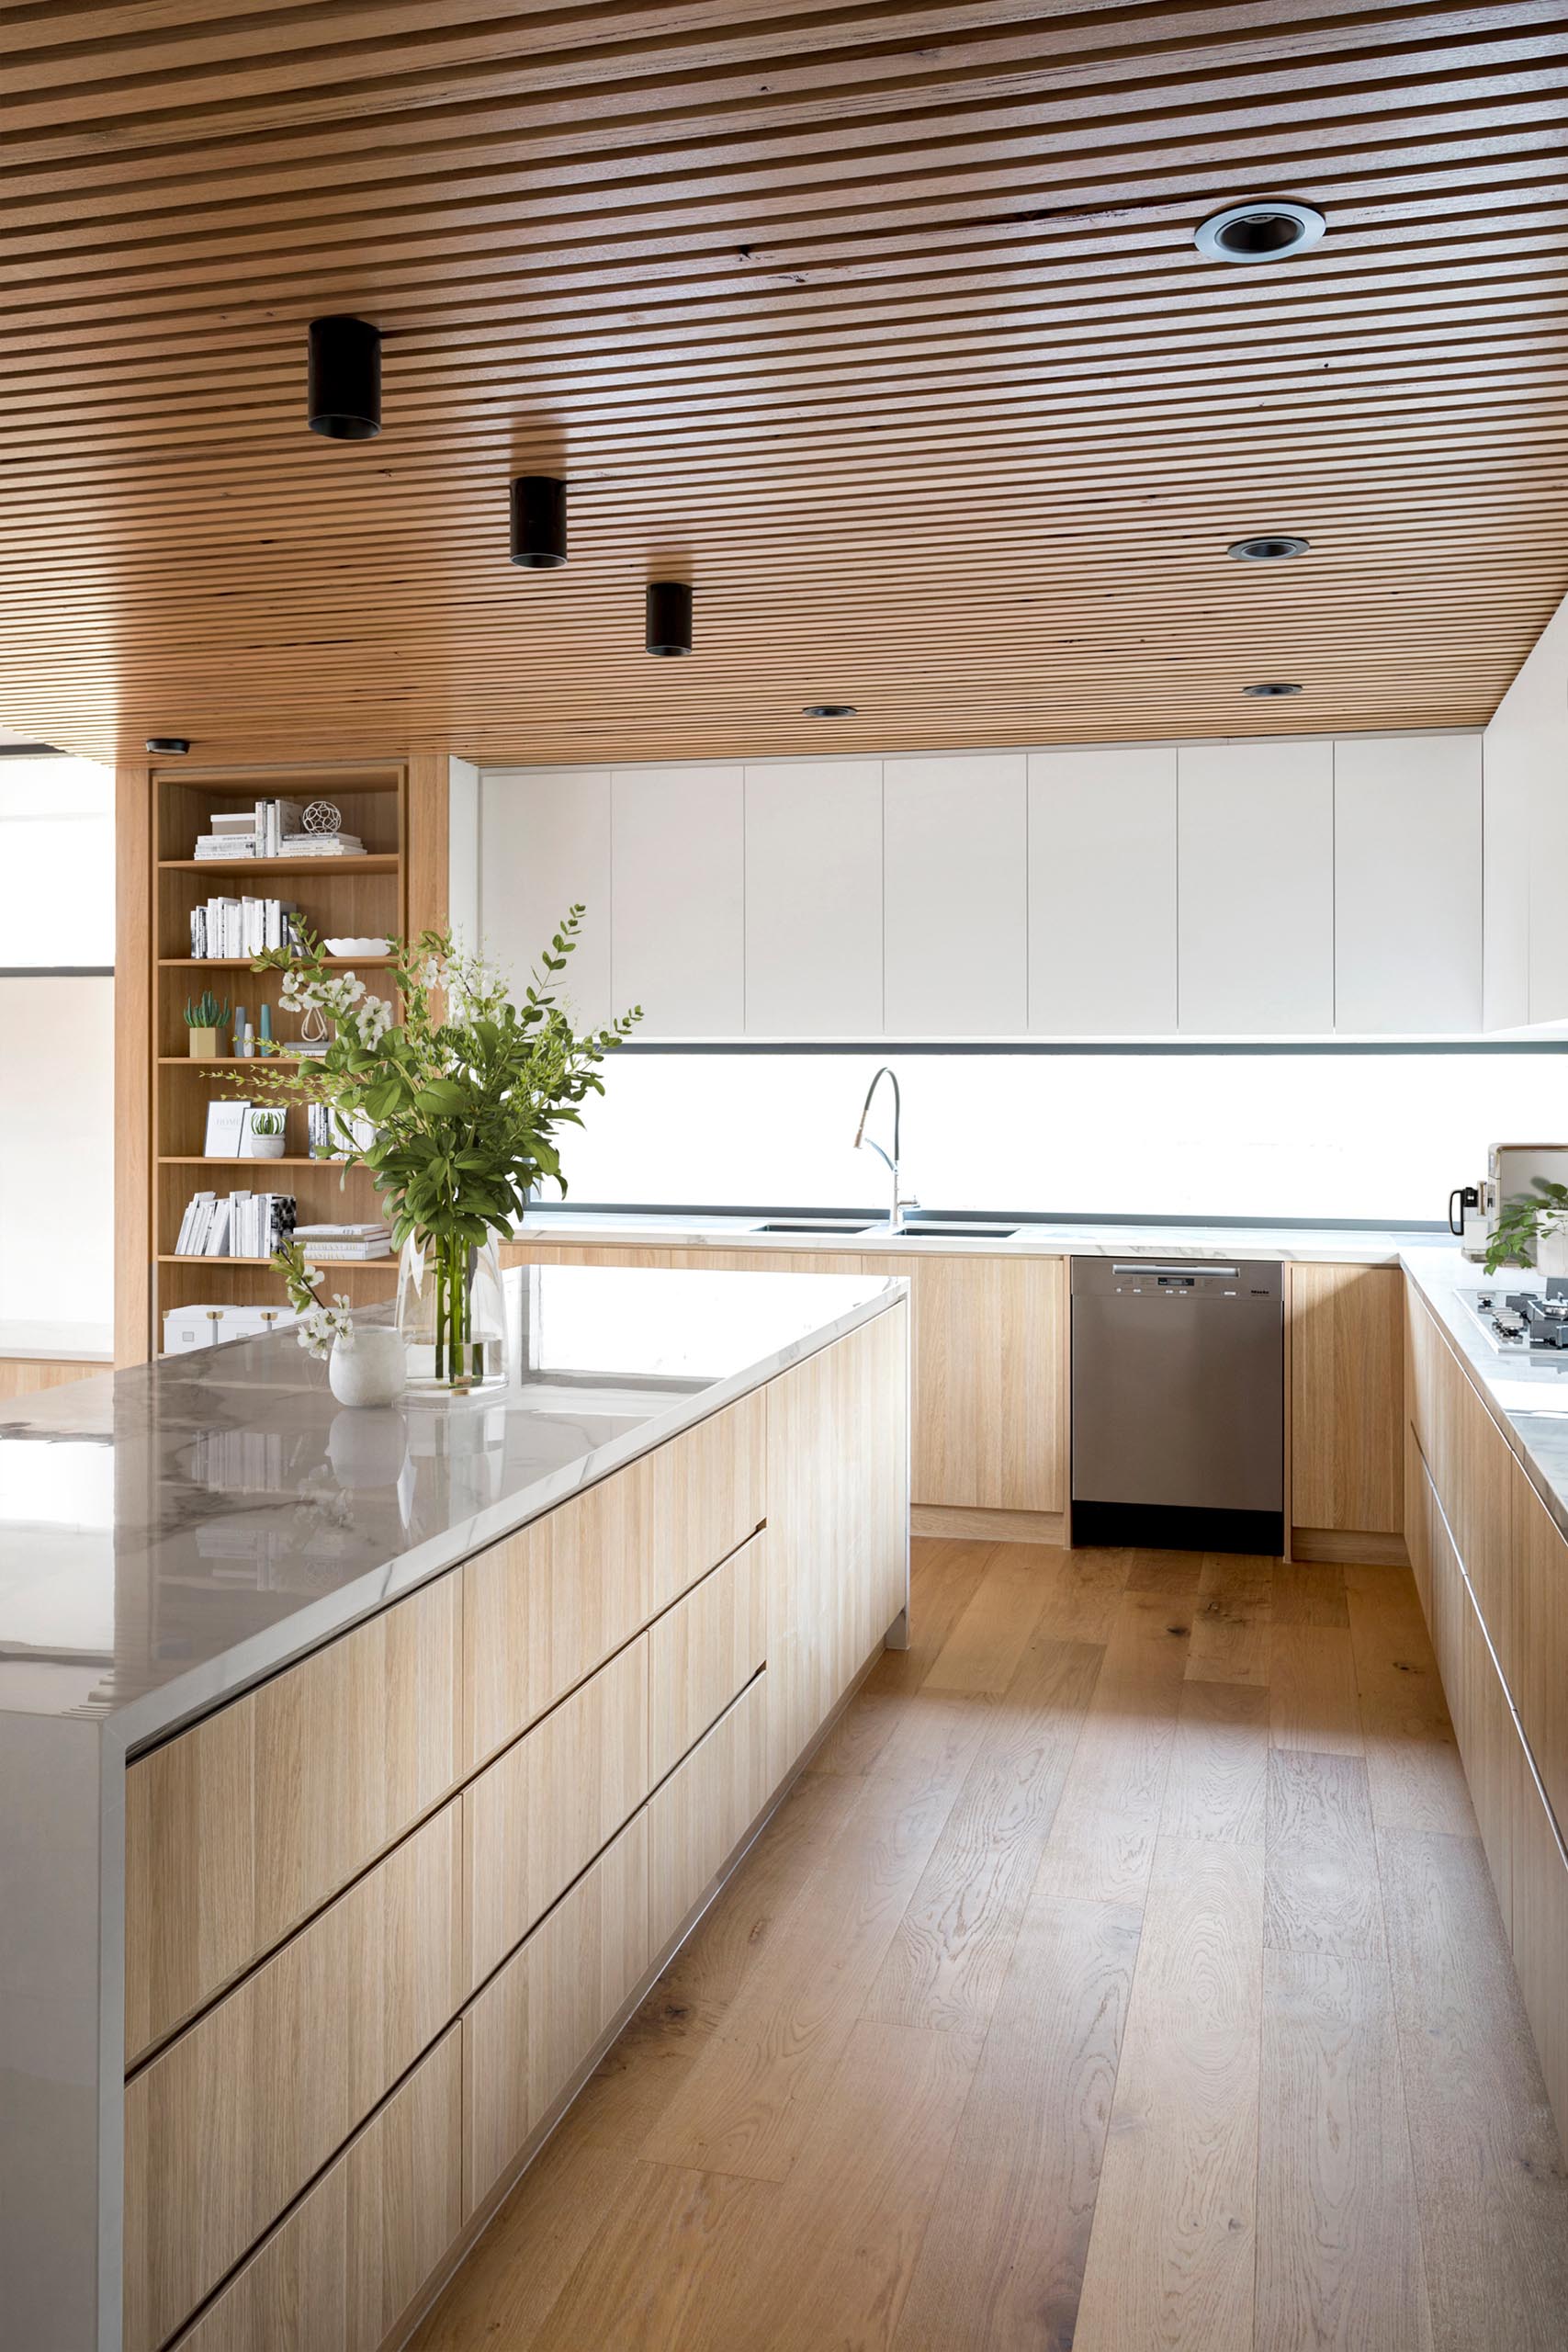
(357, 897)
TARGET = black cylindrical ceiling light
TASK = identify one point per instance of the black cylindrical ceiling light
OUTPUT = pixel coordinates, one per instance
(669, 616)
(538, 521)
(344, 400)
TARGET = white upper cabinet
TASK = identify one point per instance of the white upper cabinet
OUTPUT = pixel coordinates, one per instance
(1256, 836)
(544, 846)
(955, 906)
(1407, 883)
(678, 855)
(1102, 907)
(814, 898)
(1526, 754)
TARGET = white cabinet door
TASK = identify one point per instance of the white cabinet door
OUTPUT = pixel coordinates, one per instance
(1102, 891)
(814, 898)
(1256, 913)
(544, 846)
(679, 870)
(955, 905)
(1407, 883)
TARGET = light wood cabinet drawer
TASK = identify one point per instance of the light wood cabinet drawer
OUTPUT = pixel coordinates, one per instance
(1540, 1689)
(705, 1809)
(702, 1651)
(542, 1811)
(1540, 1937)
(241, 1827)
(340, 2271)
(544, 1607)
(539, 2016)
(227, 2125)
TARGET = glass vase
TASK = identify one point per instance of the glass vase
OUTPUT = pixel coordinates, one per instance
(451, 1315)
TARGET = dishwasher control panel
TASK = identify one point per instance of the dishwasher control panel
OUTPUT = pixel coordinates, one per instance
(1196, 1281)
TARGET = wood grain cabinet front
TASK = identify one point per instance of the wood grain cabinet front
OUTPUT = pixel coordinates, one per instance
(701, 1813)
(541, 1812)
(547, 1605)
(229, 1842)
(536, 2021)
(226, 2126)
(1348, 1414)
(345, 2266)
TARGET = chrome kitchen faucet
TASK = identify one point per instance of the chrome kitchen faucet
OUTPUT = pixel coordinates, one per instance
(864, 1143)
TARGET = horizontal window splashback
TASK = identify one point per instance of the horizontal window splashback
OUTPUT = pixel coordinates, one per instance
(1298, 1133)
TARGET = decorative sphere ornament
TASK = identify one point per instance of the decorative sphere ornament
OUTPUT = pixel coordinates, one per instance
(321, 816)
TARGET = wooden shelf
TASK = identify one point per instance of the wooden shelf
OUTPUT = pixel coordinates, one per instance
(171, 1258)
(238, 1159)
(247, 962)
(373, 862)
(342, 898)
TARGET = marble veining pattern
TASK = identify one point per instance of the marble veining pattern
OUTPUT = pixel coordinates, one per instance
(168, 1535)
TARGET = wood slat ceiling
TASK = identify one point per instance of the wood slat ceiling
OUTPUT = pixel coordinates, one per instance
(881, 324)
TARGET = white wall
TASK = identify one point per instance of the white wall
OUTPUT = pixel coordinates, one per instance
(1298, 887)
(1526, 754)
(57, 1155)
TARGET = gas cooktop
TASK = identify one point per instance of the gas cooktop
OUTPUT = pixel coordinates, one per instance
(1522, 1322)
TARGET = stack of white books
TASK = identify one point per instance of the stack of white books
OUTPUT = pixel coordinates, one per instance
(372, 1240)
(258, 831)
(242, 1224)
(234, 927)
(322, 845)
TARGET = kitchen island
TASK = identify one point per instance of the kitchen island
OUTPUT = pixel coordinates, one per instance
(359, 1771)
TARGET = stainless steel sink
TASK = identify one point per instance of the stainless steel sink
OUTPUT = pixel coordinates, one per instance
(813, 1228)
(917, 1232)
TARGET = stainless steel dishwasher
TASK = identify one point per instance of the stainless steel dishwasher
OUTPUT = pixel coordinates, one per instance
(1178, 1405)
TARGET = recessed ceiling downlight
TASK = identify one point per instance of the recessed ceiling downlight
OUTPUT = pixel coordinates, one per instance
(1269, 687)
(1269, 546)
(828, 710)
(1264, 229)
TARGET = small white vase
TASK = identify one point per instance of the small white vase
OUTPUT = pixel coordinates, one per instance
(371, 1368)
(268, 1146)
(1551, 1249)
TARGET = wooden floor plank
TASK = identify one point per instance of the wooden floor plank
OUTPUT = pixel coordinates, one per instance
(761, 2076)
(1321, 1890)
(1176, 1575)
(945, 1573)
(1231, 1618)
(982, 1652)
(945, 1964)
(1490, 2177)
(1413, 1762)
(1219, 1764)
(1309, 1592)
(1102, 1841)
(1082, 1595)
(1002, 2263)
(1311, 1690)
(1339, 2240)
(708, 1972)
(1172, 2253)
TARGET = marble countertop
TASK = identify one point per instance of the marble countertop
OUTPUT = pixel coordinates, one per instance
(171, 1535)
(1529, 1400)
(1347, 1246)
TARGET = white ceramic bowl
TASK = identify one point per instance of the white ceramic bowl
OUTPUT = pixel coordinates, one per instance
(357, 946)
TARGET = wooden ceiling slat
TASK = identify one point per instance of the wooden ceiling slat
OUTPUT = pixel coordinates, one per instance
(878, 319)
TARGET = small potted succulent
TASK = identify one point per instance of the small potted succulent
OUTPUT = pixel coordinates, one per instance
(1537, 1227)
(267, 1135)
(205, 1019)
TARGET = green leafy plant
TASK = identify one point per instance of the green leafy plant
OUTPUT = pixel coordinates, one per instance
(1521, 1223)
(206, 1012)
(268, 1123)
(466, 1094)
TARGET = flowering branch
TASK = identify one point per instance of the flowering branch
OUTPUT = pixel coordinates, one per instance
(319, 1325)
